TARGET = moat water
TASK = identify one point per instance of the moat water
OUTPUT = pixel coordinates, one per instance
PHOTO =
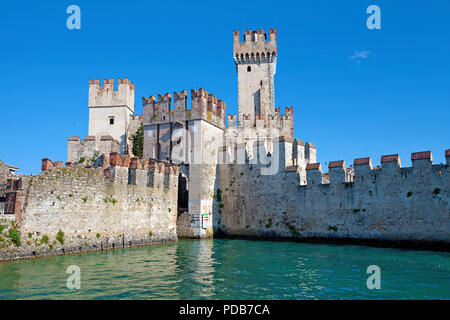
(233, 269)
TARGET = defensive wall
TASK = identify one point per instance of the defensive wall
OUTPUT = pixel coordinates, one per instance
(253, 127)
(383, 203)
(91, 148)
(132, 202)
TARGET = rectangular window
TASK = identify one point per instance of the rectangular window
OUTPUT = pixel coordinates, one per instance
(111, 120)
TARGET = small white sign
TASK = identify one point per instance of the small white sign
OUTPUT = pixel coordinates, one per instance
(206, 221)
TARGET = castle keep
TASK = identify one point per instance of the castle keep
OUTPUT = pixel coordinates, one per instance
(206, 173)
(111, 121)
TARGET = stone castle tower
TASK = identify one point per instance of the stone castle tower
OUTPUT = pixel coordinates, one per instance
(111, 122)
(256, 61)
(110, 111)
(258, 119)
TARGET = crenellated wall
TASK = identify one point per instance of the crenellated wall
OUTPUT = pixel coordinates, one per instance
(204, 106)
(91, 148)
(131, 202)
(253, 127)
(383, 203)
(106, 96)
(173, 134)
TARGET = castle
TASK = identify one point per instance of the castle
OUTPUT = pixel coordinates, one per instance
(198, 139)
(201, 175)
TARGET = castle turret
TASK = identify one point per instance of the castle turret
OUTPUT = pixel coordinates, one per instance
(110, 111)
(255, 60)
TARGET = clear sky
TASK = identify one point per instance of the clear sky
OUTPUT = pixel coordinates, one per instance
(356, 92)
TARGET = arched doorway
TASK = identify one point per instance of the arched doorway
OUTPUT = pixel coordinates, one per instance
(183, 193)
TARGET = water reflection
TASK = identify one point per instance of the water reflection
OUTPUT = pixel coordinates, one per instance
(196, 269)
(232, 269)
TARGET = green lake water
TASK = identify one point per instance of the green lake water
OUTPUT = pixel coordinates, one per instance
(232, 269)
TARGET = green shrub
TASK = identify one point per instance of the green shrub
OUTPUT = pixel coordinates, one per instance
(334, 228)
(70, 195)
(409, 194)
(44, 239)
(292, 229)
(2, 227)
(150, 233)
(436, 191)
(98, 235)
(60, 237)
(14, 235)
(219, 195)
(84, 199)
(269, 224)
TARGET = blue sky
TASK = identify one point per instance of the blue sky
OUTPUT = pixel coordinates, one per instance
(356, 92)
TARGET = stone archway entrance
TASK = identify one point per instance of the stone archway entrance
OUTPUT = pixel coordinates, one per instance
(183, 194)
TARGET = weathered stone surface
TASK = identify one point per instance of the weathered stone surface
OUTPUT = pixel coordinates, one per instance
(388, 203)
(95, 212)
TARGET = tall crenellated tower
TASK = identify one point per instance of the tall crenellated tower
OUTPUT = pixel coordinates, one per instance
(256, 61)
(111, 111)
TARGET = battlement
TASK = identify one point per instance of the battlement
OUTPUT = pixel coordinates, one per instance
(256, 47)
(106, 96)
(127, 170)
(273, 120)
(382, 203)
(204, 106)
(141, 172)
(91, 147)
(284, 151)
(422, 165)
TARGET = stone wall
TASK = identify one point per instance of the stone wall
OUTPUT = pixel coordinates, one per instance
(383, 203)
(91, 148)
(130, 203)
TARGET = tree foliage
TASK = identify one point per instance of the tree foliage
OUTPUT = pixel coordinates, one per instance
(138, 142)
